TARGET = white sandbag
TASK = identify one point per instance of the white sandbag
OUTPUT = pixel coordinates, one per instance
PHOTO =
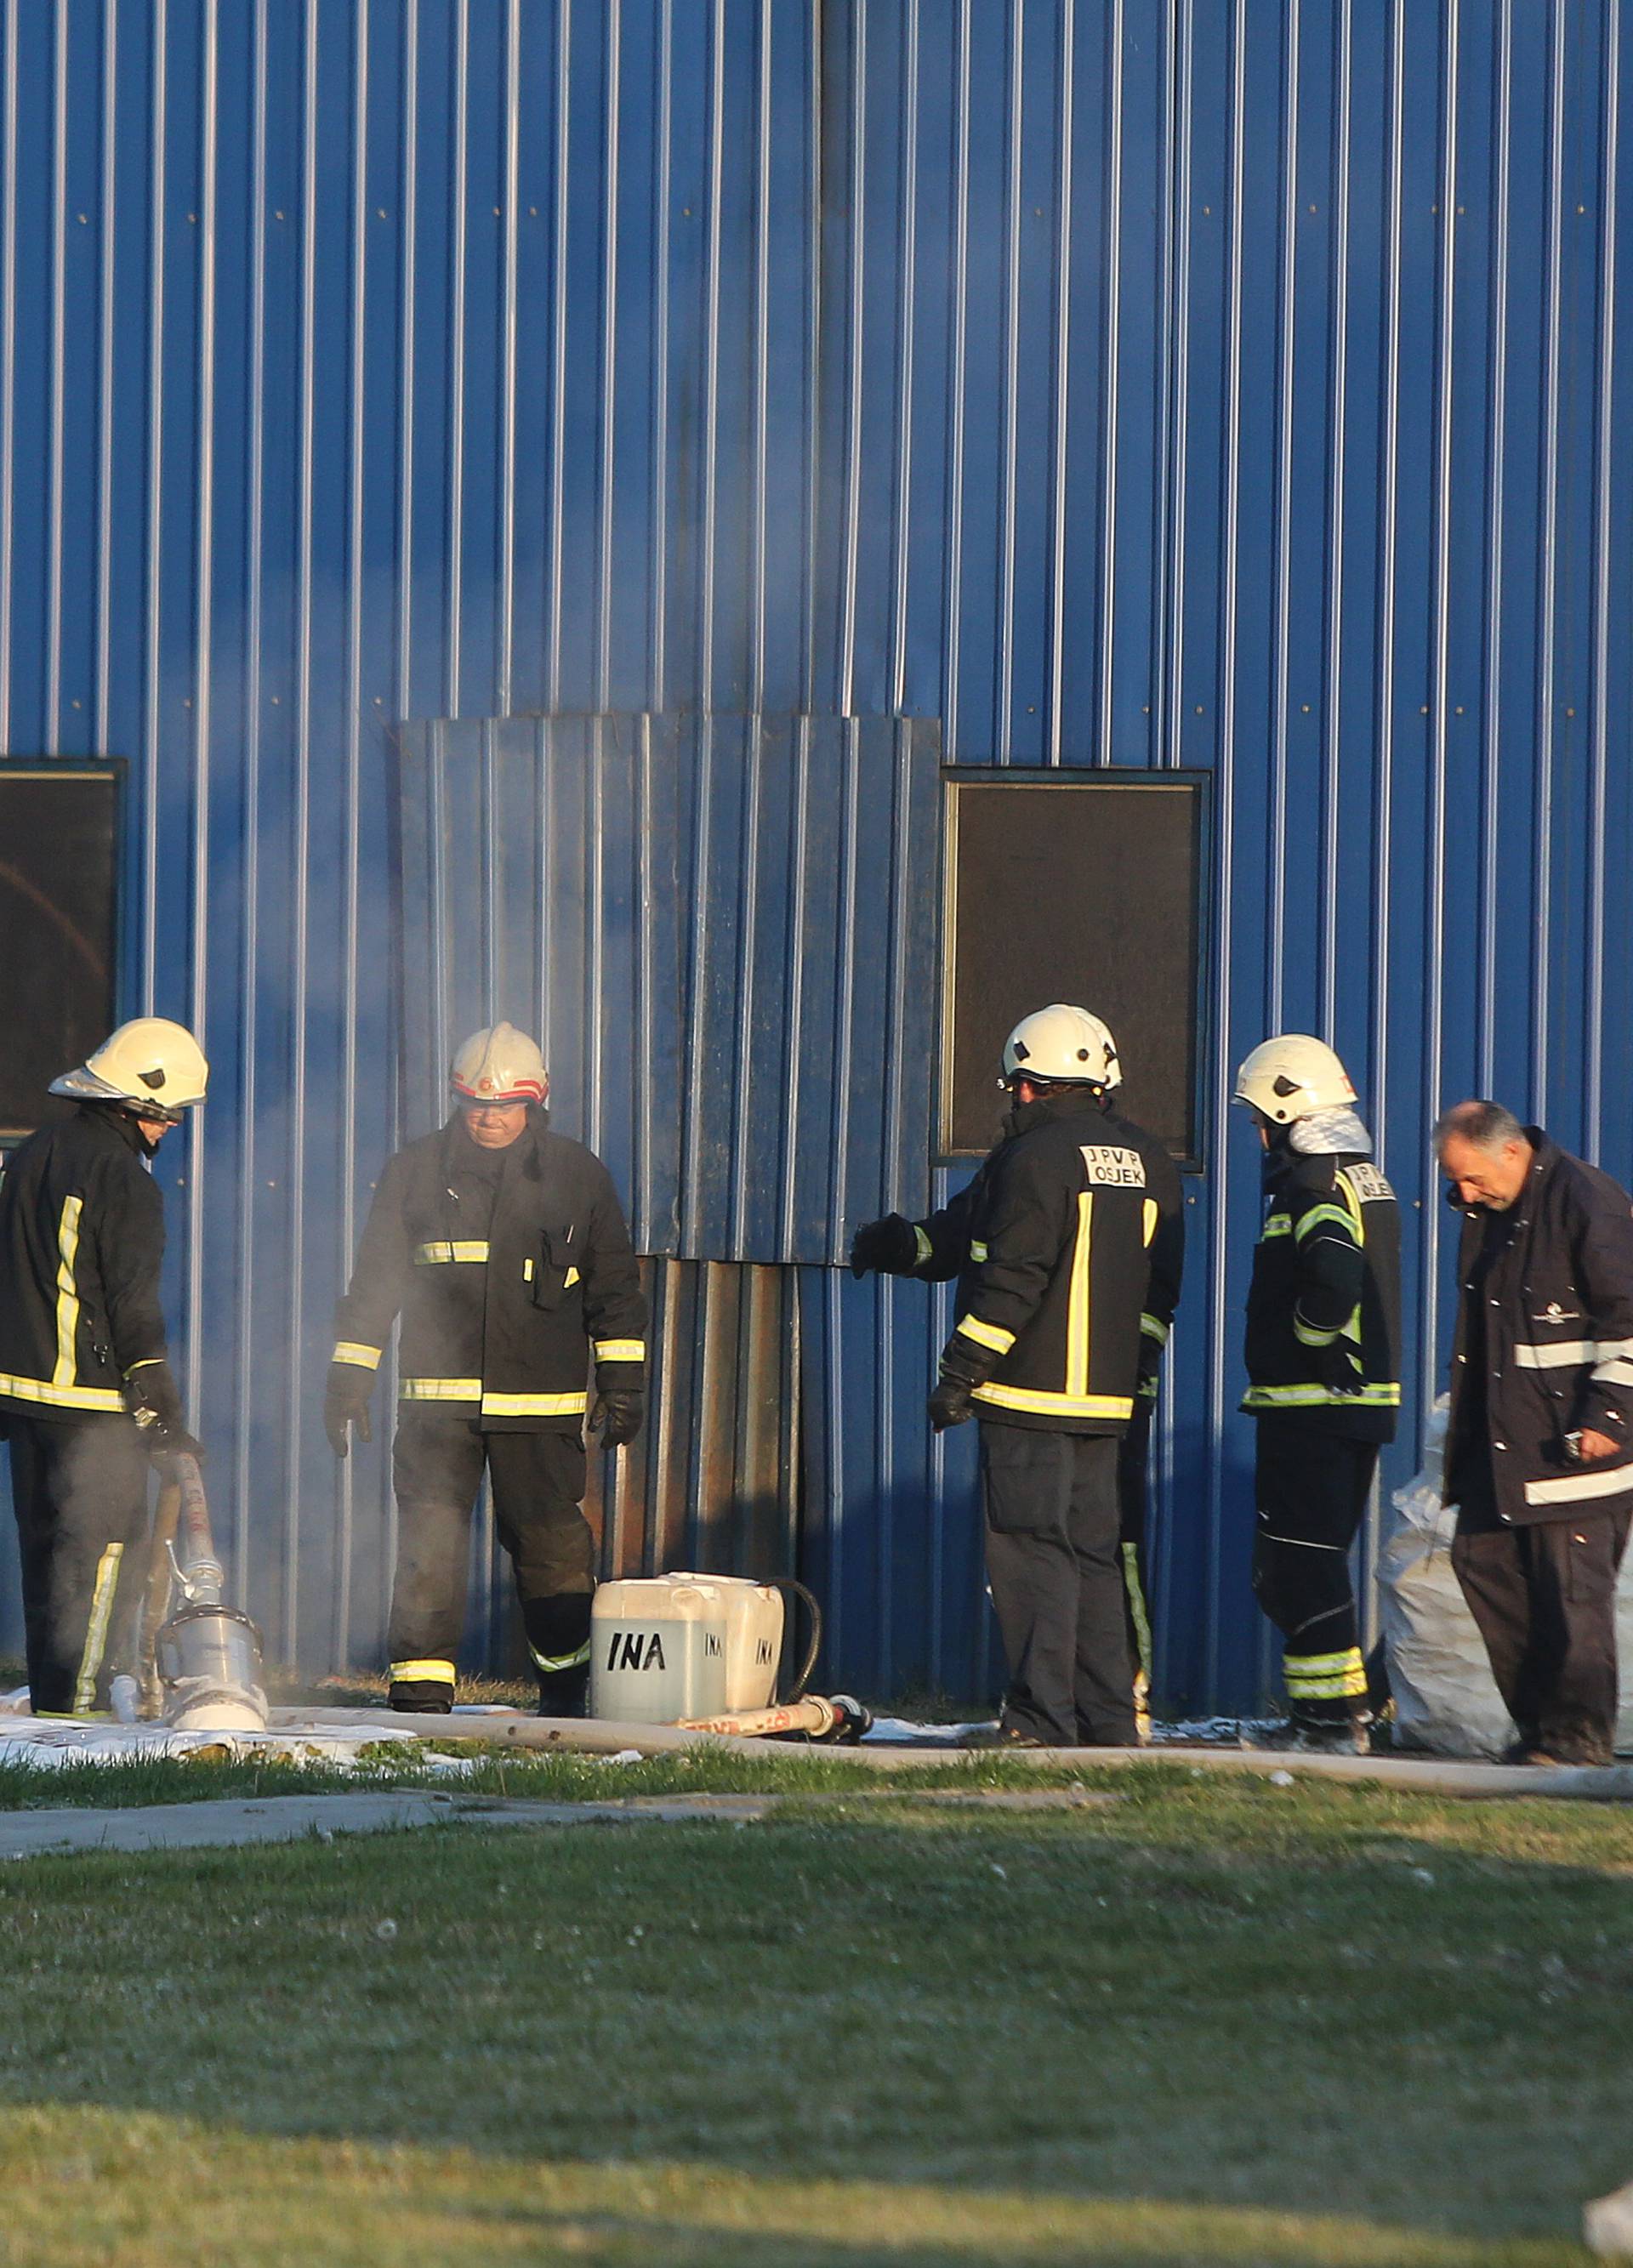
(1446, 1698)
(1607, 2225)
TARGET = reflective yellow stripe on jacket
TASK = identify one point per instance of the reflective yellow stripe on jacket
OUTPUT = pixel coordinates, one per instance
(1321, 1398)
(60, 1397)
(60, 1390)
(67, 1292)
(1042, 1404)
(490, 1404)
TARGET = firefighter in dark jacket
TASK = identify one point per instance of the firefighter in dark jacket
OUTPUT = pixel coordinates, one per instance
(505, 1248)
(1067, 1245)
(1324, 1375)
(1539, 1439)
(85, 1386)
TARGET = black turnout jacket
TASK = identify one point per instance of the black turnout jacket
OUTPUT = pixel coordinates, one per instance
(1323, 1343)
(500, 1315)
(82, 1239)
(1558, 1337)
(1068, 1246)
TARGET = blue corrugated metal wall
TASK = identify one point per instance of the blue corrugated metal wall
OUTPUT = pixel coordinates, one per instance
(1225, 382)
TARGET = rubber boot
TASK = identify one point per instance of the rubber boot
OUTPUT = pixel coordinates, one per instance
(558, 1635)
(564, 1692)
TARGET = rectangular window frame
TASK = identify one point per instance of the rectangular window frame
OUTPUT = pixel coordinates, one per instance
(114, 770)
(1090, 779)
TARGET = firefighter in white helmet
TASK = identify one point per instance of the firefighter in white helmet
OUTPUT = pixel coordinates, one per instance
(504, 1246)
(83, 1352)
(1323, 1366)
(1067, 1245)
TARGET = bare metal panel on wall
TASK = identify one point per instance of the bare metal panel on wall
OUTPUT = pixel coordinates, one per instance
(723, 929)
(712, 1482)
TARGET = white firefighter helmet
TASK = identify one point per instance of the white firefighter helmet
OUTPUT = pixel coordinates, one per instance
(1062, 1043)
(1290, 1075)
(151, 1066)
(499, 1064)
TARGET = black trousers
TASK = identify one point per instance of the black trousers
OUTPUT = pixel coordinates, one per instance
(1134, 1457)
(1056, 1566)
(1544, 1598)
(79, 1493)
(537, 1481)
(1312, 1489)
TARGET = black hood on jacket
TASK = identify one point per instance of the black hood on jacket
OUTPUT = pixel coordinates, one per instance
(1065, 1102)
(121, 1121)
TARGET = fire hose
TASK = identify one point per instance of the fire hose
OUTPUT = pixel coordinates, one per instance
(816, 1717)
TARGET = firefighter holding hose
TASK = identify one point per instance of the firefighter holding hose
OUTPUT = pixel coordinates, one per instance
(1067, 1245)
(504, 1248)
(86, 1391)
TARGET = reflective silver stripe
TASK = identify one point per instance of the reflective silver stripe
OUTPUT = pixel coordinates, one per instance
(1607, 1349)
(619, 1349)
(1613, 1373)
(987, 1334)
(439, 1390)
(1576, 1488)
(1561, 1354)
(922, 1249)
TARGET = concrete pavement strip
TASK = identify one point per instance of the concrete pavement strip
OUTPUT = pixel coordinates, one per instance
(291, 1818)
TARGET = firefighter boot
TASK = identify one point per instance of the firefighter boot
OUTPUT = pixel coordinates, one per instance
(1347, 1737)
(558, 1631)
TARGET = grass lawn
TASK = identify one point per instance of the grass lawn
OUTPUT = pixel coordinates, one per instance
(1216, 2021)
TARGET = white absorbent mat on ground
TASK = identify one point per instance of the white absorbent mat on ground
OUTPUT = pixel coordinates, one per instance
(50, 1742)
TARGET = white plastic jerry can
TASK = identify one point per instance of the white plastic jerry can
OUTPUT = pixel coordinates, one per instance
(657, 1650)
(753, 1638)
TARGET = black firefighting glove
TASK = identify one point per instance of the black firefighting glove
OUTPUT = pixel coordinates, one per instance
(154, 1400)
(885, 1248)
(950, 1404)
(616, 1415)
(345, 1403)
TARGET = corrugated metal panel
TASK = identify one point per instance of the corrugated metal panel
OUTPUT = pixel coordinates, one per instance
(712, 1483)
(724, 931)
(1230, 382)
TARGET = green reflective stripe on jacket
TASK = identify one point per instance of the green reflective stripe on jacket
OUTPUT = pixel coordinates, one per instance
(1321, 1398)
(1335, 1216)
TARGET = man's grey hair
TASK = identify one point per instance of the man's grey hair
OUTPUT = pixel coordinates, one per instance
(1488, 1125)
